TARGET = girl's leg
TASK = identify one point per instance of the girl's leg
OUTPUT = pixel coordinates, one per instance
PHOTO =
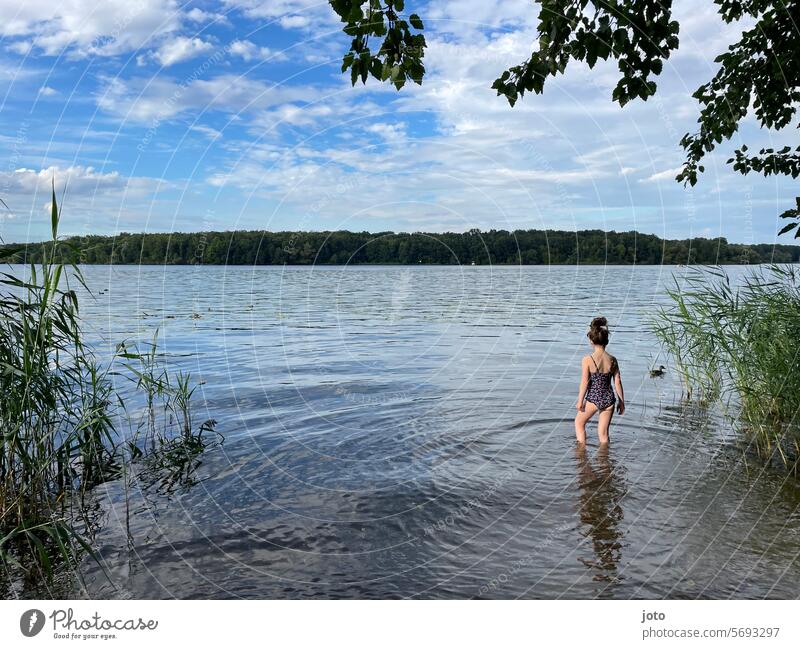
(580, 421)
(603, 424)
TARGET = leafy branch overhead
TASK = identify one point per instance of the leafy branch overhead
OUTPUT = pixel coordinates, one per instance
(399, 56)
(640, 34)
(760, 71)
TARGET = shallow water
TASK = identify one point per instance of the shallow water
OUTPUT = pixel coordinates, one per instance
(407, 432)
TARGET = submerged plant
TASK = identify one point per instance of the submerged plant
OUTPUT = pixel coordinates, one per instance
(739, 344)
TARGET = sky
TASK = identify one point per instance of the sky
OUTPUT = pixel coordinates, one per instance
(158, 116)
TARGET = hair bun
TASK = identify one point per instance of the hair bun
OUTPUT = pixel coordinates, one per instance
(599, 323)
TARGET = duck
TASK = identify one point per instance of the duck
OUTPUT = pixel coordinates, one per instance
(658, 372)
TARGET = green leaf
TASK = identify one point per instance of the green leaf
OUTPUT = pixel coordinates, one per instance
(416, 21)
(347, 61)
(398, 77)
(416, 71)
(54, 212)
(355, 13)
(591, 52)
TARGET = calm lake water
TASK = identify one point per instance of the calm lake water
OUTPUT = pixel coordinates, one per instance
(407, 432)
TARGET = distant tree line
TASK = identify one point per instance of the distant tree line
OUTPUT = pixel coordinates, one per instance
(343, 247)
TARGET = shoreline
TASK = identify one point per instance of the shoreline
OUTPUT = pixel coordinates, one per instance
(424, 265)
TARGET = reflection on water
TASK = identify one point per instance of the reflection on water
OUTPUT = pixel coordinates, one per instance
(602, 489)
(407, 432)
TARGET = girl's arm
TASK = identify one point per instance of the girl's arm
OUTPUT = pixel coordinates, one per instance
(584, 384)
(618, 386)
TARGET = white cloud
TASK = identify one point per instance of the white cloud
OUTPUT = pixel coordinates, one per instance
(91, 201)
(463, 16)
(293, 115)
(703, 34)
(392, 133)
(152, 100)
(197, 15)
(667, 174)
(617, 152)
(180, 49)
(211, 133)
(249, 51)
(294, 22)
(46, 91)
(78, 181)
(290, 14)
(20, 47)
(277, 8)
(81, 191)
(89, 28)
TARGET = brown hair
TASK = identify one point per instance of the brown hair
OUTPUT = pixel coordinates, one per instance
(598, 332)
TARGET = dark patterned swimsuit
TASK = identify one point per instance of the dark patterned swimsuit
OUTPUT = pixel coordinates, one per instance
(599, 391)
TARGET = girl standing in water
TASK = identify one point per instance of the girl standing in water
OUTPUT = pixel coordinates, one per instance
(596, 394)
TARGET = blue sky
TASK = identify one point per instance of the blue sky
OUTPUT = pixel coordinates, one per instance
(159, 115)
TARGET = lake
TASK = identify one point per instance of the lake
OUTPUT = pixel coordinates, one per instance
(406, 432)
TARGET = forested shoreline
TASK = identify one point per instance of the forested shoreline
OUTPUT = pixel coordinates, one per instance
(528, 247)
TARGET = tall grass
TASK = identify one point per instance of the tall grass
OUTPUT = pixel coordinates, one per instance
(739, 344)
(60, 411)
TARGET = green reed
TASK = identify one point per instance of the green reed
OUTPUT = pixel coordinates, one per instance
(60, 413)
(739, 345)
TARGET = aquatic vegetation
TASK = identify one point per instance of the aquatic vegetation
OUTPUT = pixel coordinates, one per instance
(65, 426)
(738, 344)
